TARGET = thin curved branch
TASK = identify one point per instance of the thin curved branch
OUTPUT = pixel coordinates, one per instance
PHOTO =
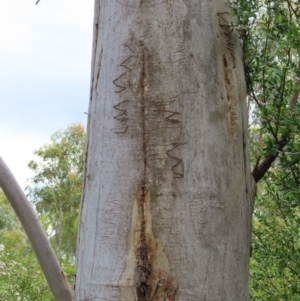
(290, 6)
(57, 282)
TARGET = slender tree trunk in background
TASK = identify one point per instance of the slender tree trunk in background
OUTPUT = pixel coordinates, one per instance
(166, 208)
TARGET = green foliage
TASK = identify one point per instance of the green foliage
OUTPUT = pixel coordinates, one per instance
(19, 281)
(8, 221)
(20, 275)
(56, 188)
(270, 31)
(276, 239)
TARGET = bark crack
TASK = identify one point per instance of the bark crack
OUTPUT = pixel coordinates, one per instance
(143, 271)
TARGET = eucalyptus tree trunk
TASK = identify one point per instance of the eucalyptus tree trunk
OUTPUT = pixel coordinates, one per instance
(167, 200)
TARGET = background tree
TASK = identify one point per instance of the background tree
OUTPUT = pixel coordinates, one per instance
(55, 188)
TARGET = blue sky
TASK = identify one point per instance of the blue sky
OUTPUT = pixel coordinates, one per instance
(45, 55)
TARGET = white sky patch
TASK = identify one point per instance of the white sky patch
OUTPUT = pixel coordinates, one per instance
(50, 39)
(20, 152)
(45, 59)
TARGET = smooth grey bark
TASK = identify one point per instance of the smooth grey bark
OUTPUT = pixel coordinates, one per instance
(167, 198)
(49, 263)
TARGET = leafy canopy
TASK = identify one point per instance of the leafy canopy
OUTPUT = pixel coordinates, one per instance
(270, 31)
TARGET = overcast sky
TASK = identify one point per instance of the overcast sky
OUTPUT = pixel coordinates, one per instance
(45, 55)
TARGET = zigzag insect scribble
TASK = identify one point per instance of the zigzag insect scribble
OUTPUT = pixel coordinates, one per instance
(179, 161)
(123, 112)
(122, 88)
(122, 117)
(161, 108)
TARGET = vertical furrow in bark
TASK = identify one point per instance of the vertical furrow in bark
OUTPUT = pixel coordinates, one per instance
(143, 268)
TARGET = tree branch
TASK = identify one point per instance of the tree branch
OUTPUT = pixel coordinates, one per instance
(57, 282)
(260, 169)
